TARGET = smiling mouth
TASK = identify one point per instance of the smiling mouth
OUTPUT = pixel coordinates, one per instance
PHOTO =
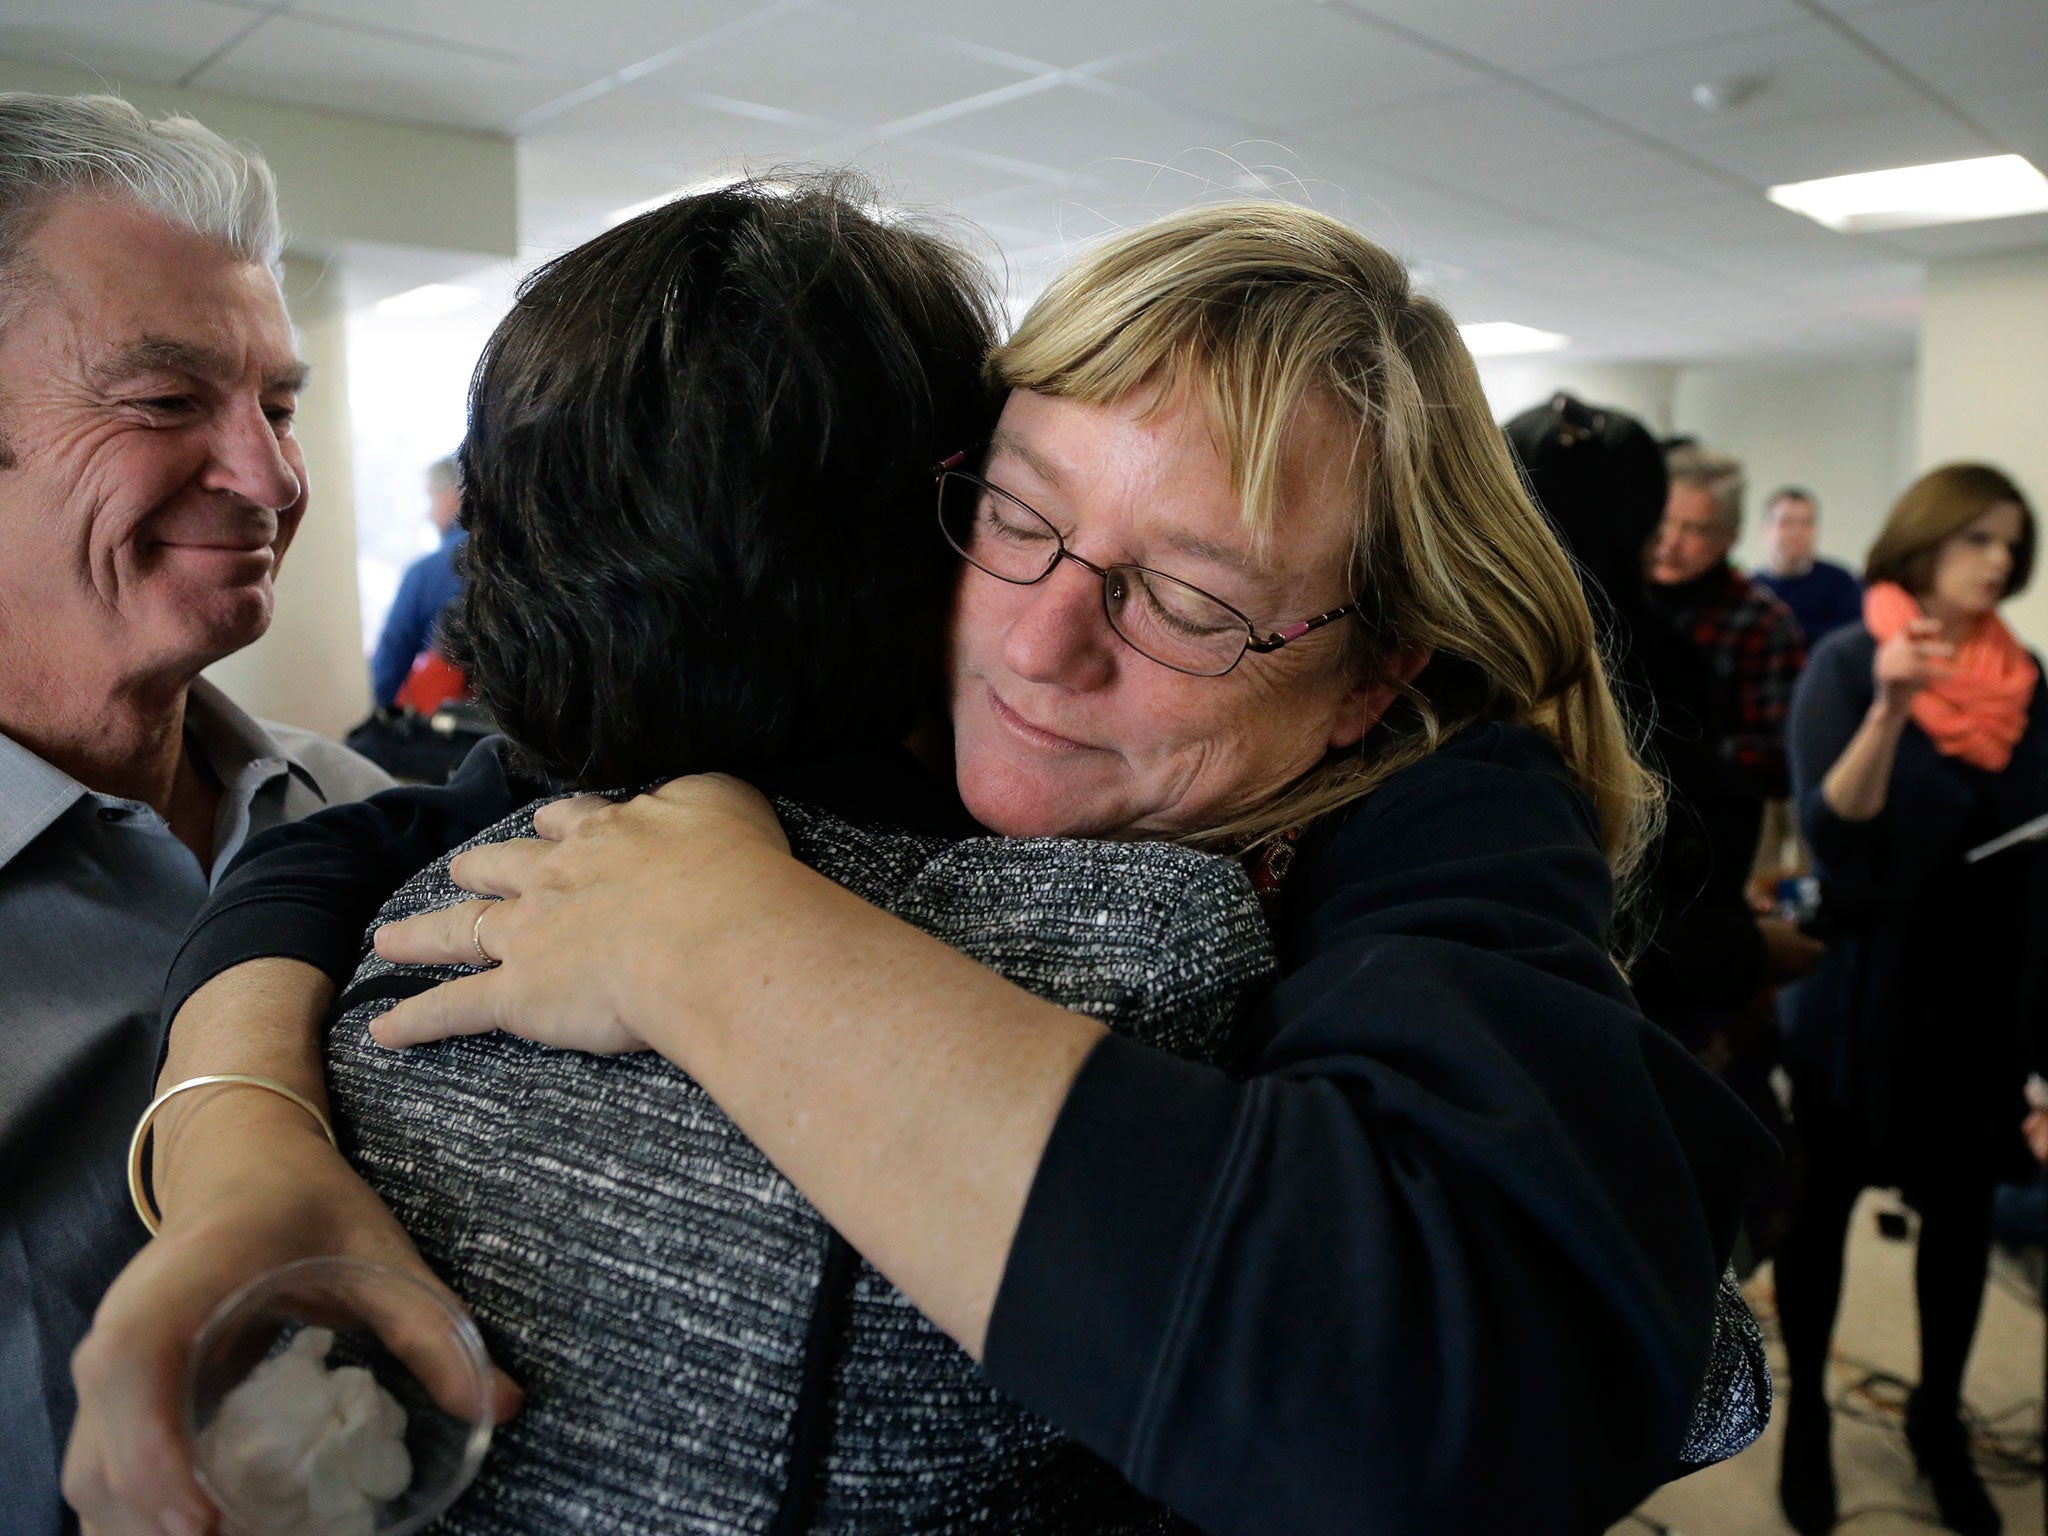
(1036, 735)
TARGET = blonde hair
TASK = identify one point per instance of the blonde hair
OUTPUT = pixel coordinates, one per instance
(1265, 309)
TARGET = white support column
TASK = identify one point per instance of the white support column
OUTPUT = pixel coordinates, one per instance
(1984, 385)
(309, 671)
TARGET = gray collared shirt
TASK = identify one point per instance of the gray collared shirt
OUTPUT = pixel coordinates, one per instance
(95, 895)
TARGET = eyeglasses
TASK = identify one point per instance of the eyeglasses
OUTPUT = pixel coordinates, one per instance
(1159, 616)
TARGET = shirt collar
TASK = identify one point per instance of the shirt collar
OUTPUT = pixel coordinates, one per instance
(235, 745)
(33, 794)
(242, 755)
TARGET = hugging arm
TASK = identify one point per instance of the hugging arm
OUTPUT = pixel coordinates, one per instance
(246, 1180)
(1452, 1247)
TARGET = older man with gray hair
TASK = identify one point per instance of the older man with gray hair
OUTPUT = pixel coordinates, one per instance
(149, 485)
(1750, 640)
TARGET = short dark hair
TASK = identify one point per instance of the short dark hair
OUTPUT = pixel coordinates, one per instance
(1598, 476)
(1933, 510)
(1791, 493)
(698, 489)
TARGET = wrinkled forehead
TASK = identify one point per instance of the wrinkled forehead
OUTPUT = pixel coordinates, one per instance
(118, 287)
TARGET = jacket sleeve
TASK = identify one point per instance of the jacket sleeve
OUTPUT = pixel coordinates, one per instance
(1828, 707)
(407, 628)
(1446, 1260)
(307, 890)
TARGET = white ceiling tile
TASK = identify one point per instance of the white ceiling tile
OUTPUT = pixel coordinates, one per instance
(822, 64)
(154, 40)
(1618, 176)
(1803, 72)
(1469, 132)
(1294, 64)
(1071, 127)
(912, 172)
(668, 142)
(1966, 47)
(1065, 33)
(1766, 154)
(2019, 119)
(590, 40)
(315, 64)
(1526, 37)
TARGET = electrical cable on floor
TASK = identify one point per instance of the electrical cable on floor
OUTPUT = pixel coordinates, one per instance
(2006, 1453)
(2005, 1443)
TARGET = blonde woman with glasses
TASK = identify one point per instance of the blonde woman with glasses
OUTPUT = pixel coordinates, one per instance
(1246, 567)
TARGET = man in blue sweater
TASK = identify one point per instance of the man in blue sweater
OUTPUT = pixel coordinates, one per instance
(430, 584)
(1823, 596)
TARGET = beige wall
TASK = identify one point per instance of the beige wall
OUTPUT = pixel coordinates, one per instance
(308, 671)
(1847, 434)
(343, 179)
(1984, 384)
(1644, 390)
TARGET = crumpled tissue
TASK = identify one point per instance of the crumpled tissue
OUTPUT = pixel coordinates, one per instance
(299, 1450)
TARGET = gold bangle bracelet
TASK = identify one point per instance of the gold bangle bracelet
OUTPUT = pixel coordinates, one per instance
(139, 1142)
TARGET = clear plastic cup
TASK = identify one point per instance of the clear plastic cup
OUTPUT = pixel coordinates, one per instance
(418, 1347)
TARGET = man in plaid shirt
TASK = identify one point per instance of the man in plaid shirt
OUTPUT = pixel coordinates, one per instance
(1749, 637)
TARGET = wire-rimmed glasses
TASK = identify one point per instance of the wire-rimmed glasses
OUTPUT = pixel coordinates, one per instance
(1161, 617)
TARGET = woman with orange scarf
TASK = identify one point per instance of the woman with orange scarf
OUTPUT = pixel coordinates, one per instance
(1915, 738)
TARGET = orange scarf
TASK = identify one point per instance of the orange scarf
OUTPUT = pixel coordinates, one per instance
(1978, 711)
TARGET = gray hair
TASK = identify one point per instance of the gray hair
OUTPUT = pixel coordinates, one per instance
(1715, 473)
(178, 169)
(445, 474)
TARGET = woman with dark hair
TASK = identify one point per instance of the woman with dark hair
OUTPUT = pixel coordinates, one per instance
(1244, 565)
(1599, 477)
(1915, 737)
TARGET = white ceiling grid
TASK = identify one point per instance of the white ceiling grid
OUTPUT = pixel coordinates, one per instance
(1540, 160)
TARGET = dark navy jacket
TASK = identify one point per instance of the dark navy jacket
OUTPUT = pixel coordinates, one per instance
(1890, 882)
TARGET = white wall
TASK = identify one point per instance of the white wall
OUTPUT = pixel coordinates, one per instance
(1847, 434)
(341, 178)
(1984, 385)
(1644, 390)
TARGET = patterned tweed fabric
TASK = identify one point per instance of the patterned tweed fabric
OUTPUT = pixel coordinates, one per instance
(649, 1278)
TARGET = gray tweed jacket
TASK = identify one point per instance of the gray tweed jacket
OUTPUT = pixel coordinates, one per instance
(698, 1351)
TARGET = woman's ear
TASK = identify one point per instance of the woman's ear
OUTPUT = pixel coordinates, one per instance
(1361, 708)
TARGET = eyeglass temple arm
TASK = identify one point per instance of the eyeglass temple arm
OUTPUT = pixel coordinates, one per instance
(952, 462)
(1273, 642)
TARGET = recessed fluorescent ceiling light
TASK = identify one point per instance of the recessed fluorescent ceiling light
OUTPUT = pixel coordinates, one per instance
(1504, 338)
(1953, 192)
(426, 301)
